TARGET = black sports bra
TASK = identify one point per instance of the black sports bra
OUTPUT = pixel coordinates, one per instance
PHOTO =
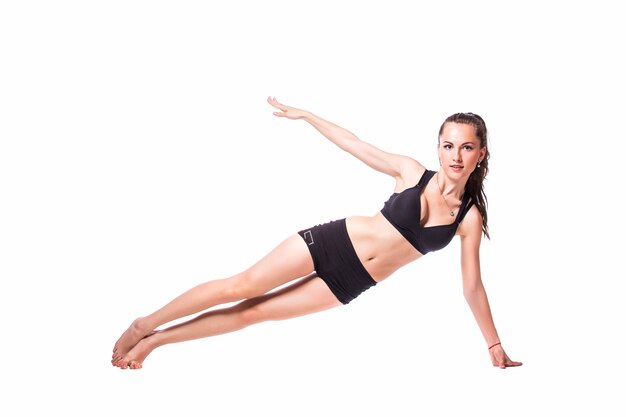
(403, 210)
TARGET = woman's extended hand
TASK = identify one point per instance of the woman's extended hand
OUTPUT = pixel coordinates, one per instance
(286, 111)
(499, 358)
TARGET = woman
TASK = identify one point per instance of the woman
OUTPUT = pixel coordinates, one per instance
(338, 260)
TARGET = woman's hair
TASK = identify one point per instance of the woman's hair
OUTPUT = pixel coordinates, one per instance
(474, 186)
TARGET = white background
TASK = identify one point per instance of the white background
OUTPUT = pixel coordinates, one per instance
(138, 158)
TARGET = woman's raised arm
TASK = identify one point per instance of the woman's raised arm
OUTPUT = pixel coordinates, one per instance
(385, 162)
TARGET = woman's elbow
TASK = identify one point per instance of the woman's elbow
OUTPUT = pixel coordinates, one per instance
(471, 289)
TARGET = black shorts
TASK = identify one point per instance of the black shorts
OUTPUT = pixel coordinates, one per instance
(335, 260)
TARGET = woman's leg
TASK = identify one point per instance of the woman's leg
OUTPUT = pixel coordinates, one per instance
(291, 259)
(306, 296)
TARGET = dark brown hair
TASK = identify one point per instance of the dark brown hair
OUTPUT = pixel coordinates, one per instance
(474, 186)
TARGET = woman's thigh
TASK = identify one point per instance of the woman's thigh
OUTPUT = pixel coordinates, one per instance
(289, 260)
(306, 296)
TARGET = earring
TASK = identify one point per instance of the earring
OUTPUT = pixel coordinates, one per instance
(479, 161)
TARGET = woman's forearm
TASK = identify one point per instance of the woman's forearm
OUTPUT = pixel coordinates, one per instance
(336, 134)
(479, 304)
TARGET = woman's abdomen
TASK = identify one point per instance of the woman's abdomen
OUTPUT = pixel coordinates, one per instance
(379, 246)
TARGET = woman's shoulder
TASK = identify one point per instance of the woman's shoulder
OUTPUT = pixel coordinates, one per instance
(411, 170)
(472, 223)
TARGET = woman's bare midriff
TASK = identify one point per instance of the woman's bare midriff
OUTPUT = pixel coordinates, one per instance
(379, 246)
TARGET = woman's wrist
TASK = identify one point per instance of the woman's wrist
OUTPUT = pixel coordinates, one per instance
(308, 116)
(493, 345)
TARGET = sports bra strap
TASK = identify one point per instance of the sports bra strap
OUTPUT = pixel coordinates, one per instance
(426, 176)
(465, 207)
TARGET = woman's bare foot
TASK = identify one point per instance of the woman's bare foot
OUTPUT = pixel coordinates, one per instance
(129, 339)
(135, 357)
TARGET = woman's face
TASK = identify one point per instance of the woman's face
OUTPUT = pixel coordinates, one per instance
(459, 149)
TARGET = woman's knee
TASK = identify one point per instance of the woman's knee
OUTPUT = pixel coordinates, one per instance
(252, 312)
(245, 285)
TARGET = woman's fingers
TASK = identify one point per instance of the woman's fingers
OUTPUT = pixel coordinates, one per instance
(283, 109)
(275, 103)
(514, 363)
(288, 112)
(508, 362)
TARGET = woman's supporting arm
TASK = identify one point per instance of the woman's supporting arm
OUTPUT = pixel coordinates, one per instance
(473, 289)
